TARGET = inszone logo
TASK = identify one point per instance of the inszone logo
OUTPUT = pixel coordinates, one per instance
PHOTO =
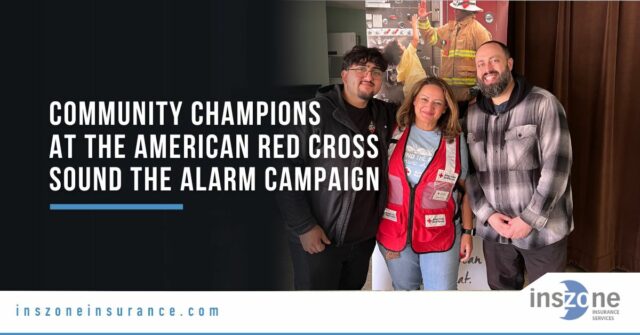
(576, 300)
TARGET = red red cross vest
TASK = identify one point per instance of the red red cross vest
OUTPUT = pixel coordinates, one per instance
(429, 205)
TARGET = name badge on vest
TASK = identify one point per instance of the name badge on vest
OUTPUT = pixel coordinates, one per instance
(390, 214)
(440, 195)
(446, 176)
(438, 220)
(445, 182)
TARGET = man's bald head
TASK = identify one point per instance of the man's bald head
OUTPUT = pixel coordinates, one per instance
(493, 68)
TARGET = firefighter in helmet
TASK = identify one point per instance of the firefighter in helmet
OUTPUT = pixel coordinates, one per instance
(458, 41)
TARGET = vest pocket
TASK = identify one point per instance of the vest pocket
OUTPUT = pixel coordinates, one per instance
(432, 231)
(435, 195)
(521, 146)
(393, 222)
(395, 190)
(477, 151)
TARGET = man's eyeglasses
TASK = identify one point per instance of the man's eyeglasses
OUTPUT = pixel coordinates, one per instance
(362, 71)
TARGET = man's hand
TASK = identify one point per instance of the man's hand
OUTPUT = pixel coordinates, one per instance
(422, 19)
(519, 228)
(314, 240)
(422, 11)
(500, 223)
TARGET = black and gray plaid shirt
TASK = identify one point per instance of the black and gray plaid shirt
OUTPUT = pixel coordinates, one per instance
(522, 159)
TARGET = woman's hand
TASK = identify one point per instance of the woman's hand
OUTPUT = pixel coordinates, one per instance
(466, 240)
(466, 247)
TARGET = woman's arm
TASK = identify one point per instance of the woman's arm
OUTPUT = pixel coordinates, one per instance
(466, 240)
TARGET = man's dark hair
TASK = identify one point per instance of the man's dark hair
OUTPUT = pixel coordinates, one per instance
(502, 45)
(361, 55)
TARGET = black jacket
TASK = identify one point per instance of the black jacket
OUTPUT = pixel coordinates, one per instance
(331, 210)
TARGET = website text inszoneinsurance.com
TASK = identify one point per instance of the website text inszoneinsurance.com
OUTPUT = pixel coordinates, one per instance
(107, 311)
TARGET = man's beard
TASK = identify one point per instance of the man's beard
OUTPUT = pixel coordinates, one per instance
(495, 89)
(366, 95)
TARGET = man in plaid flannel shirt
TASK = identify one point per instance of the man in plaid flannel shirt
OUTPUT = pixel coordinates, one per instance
(520, 192)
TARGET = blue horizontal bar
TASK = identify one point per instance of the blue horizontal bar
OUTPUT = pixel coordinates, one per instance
(116, 207)
(309, 333)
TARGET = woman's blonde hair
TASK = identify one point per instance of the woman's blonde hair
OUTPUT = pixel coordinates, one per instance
(448, 122)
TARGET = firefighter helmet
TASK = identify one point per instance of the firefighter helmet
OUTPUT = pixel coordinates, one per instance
(468, 5)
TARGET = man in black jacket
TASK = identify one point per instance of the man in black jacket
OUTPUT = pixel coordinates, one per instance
(333, 232)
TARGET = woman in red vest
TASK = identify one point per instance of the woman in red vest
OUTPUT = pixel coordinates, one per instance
(427, 224)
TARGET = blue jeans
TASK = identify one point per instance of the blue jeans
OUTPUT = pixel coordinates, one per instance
(436, 271)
